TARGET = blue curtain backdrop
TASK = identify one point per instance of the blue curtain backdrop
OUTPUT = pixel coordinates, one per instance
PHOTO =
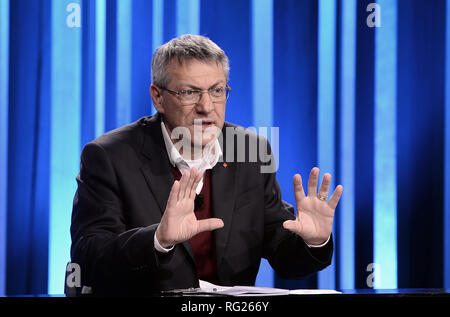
(367, 102)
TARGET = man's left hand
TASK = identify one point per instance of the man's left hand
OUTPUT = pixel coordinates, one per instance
(314, 220)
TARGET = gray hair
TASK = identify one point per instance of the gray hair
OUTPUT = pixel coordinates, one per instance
(184, 48)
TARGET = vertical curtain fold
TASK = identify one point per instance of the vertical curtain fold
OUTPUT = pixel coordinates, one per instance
(88, 82)
(364, 145)
(420, 99)
(4, 87)
(141, 58)
(28, 143)
(295, 99)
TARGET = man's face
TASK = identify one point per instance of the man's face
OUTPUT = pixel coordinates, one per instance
(196, 75)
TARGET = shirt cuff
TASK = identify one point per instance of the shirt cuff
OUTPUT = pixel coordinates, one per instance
(311, 245)
(159, 248)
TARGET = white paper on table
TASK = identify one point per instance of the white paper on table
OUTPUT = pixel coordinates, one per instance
(313, 291)
(206, 287)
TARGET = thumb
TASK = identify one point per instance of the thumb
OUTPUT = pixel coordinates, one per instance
(293, 225)
(209, 224)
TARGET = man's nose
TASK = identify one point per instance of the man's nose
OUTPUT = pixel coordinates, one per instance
(205, 103)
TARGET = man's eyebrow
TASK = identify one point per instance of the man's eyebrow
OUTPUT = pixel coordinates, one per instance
(216, 83)
(198, 88)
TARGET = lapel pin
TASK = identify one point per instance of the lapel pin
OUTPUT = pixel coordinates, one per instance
(225, 164)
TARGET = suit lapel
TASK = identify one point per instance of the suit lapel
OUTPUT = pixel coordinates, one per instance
(223, 192)
(157, 171)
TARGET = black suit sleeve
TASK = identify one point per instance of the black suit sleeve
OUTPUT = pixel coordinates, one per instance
(110, 256)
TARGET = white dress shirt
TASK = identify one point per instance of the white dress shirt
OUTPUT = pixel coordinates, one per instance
(212, 151)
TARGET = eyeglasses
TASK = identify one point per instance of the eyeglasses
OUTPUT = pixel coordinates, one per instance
(193, 96)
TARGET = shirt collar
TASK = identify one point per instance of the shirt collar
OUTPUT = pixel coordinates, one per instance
(208, 161)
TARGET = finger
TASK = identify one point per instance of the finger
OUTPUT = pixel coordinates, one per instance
(292, 225)
(299, 193)
(209, 224)
(183, 183)
(325, 186)
(335, 197)
(312, 182)
(173, 196)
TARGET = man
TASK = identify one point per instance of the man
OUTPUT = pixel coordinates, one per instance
(151, 215)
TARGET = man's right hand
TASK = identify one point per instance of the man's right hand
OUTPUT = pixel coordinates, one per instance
(179, 222)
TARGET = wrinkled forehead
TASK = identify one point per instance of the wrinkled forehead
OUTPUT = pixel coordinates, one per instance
(195, 70)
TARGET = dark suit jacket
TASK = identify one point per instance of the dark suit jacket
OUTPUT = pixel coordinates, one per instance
(123, 186)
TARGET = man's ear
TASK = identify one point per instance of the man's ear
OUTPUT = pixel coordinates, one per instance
(155, 93)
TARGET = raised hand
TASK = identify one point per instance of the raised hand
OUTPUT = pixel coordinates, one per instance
(314, 220)
(179, 222)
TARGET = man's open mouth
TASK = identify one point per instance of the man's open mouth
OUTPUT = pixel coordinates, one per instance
(204, 124)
